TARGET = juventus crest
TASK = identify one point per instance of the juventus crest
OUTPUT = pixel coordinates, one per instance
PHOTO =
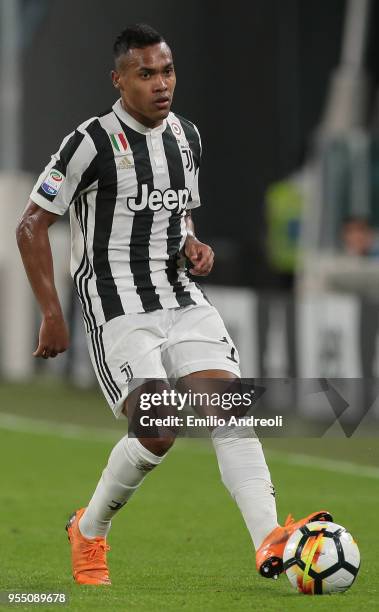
(188, 158)
(127, 371)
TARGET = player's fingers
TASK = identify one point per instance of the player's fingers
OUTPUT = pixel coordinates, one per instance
(39, 351)
(205, 266)
(203, 256)
(45, 352)
(195, 257)
(191, 251)
(202, 271)
(195, 266)
(208, 261)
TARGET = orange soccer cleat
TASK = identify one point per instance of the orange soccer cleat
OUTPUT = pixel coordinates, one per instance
(89, 557)
(269, 557)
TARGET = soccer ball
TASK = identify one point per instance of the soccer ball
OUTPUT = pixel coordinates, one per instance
(321, 557)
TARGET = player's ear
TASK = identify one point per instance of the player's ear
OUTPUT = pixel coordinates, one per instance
(115, 76)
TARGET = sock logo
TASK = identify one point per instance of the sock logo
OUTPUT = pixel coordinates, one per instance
(116, 505)
(144, 466)
(127, 370)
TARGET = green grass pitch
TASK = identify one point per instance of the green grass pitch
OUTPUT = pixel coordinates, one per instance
(180, 544)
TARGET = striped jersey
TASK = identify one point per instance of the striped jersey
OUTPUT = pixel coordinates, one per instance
(128, 188)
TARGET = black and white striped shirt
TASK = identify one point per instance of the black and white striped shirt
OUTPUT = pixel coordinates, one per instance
(127, 187)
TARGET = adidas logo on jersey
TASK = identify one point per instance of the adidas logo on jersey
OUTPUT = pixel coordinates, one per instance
(170, 199)
(125, 163)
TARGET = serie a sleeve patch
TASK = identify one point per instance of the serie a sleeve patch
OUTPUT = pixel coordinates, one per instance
(53, 182)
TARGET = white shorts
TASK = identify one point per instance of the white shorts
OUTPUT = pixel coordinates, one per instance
(163, 344)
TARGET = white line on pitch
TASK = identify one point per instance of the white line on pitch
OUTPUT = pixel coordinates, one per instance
(329, 465)
(24, 424)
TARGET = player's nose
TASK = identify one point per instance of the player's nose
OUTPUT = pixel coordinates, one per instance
(160, 84)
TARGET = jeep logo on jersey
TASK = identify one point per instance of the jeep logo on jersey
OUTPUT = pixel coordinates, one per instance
(170, 199)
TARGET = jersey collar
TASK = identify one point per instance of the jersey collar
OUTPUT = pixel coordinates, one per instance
(135, 125)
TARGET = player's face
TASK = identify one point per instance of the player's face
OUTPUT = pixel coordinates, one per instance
(146, 81)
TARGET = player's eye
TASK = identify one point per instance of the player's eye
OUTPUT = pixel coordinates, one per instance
(145, 75)
(169, 71)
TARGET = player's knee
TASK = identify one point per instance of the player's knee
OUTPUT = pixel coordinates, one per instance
(158, 446)
(239, 432)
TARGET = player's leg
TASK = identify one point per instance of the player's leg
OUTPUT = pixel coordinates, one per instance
(245, 474)
(200, 347)
(131, 459)
(240, 457)
(123, 352)
(200, 351)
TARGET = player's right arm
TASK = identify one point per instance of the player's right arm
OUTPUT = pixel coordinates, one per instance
(70, 172)
(33, 242)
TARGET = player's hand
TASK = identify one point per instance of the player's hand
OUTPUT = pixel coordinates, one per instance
(200, 255)
(53, 337)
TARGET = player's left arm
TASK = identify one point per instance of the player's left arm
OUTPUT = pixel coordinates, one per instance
(200, 255)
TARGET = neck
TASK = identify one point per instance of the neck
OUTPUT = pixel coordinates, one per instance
(149, 123)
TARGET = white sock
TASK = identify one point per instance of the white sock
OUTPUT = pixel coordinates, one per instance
(245, 474)
(128, 464)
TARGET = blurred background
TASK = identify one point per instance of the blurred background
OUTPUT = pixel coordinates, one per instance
(285, 95)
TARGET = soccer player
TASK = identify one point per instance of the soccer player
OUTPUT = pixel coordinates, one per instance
(129, 178)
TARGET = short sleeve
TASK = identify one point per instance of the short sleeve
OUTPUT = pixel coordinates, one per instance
(69, 172)
(194, 198)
